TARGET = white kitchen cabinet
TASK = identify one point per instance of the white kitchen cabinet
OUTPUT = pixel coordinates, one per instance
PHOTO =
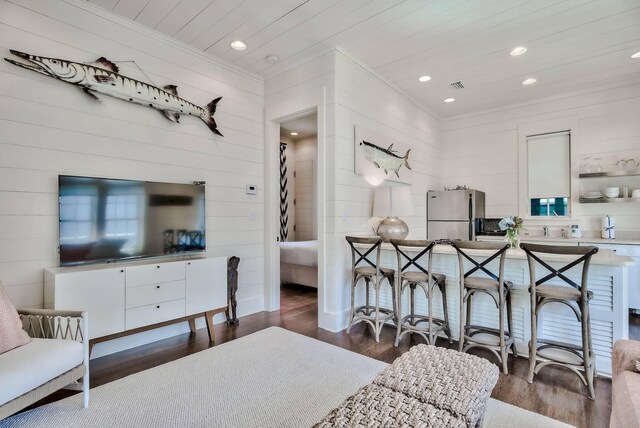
(99, 292)
(140, 295)
(206, 284)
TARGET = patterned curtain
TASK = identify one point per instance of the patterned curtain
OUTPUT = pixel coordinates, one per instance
(284, 193)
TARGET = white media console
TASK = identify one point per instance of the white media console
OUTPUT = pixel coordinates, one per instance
(130, 297)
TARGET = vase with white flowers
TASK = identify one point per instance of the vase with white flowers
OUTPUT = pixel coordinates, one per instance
(512, 226)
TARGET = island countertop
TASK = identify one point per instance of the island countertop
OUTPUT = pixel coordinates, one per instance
(603, 257)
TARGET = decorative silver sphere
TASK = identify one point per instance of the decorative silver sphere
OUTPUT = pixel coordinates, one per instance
(392, 228)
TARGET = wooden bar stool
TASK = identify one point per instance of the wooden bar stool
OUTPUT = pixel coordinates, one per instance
(499, 340)
(427, 281)
(374, 275)
(542, 352)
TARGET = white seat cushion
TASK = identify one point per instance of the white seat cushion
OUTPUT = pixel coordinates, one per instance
(27, 367)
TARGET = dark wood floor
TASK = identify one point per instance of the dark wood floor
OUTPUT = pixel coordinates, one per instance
(556, 392)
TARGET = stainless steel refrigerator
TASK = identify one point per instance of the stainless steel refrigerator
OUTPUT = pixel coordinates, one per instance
(452, 214)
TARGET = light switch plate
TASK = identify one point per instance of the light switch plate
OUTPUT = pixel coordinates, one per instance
(252, 189)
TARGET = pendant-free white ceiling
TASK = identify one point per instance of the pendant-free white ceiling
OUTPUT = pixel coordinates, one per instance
(571, 44)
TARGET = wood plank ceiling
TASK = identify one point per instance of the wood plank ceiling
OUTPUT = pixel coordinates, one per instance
(572, 44)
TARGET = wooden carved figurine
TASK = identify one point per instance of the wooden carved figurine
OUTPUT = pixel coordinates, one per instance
(232, 288)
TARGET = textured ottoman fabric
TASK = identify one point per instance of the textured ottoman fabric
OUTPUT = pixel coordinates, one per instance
(377, 406)
(449, 380)
(426, 387)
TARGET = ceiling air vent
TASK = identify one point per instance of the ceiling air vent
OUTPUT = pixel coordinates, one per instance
(457, 85)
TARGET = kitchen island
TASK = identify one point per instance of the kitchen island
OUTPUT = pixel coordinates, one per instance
(608, 280)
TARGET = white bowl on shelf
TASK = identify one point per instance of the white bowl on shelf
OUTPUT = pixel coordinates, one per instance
(612, 192)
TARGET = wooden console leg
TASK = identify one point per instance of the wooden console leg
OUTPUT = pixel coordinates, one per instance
(192, 325)
(208, 316)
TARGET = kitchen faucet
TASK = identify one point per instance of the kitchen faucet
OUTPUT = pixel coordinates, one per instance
(545, 230)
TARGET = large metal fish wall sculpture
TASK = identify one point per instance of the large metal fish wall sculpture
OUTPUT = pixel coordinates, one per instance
(387, 159)
(102, 77)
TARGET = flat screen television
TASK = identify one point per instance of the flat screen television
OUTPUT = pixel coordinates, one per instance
(106, 220)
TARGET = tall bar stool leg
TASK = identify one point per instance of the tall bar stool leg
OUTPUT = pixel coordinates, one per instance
(394, 297)
(353, 302)
(510, 324)
(432, 336)
(376, 323)
(399, 313)
(586, 348)
(503, 349)
(367, 297)
(461, 321)
(445, 310)
(533, 343)
(469, 299)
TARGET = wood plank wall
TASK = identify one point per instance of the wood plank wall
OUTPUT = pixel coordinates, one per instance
(364, 99)
(481, 150)
(48, 128)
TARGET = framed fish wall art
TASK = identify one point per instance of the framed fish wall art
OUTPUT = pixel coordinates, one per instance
(379, 158)
(102, 77)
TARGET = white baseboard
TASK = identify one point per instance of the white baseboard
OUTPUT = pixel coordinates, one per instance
(333, 321)
(251, 305)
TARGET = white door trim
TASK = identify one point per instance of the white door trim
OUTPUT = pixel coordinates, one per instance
(273, 117)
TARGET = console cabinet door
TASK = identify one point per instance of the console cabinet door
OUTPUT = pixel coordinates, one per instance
(206, 284)
(99, 292)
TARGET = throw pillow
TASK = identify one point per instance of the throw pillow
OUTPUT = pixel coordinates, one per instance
(11, 333)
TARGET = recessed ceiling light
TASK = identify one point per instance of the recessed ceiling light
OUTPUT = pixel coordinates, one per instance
(294, 133)
(636, 55)
(238, 45)
(529, 81)
(518, 51)
(449, 100)
(424, 78)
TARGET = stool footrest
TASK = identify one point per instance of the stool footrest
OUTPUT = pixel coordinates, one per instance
(476, 329)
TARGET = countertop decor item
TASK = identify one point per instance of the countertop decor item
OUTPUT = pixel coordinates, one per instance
(576, 231)
(512, 225)
(102, 76)
(389, 203)
(608, 227)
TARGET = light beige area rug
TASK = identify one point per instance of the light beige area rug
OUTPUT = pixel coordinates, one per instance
(272, 378)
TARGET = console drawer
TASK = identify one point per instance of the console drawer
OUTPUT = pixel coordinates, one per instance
(154, 293)
(155, 273)
(151, 314)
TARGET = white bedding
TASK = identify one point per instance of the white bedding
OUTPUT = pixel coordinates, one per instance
(299, 253)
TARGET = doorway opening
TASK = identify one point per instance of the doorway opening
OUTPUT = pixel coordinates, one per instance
(299, 212)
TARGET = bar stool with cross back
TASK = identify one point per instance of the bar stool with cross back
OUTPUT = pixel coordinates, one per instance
(425, 279)
(373, 274)
(543, 352)
(497, 340)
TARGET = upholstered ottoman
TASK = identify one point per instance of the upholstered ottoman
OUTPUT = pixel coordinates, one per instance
(426, 387)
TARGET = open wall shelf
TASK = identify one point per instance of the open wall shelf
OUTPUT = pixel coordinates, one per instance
(623, 173)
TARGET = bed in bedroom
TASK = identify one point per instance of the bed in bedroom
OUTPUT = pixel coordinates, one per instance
(299, 263)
